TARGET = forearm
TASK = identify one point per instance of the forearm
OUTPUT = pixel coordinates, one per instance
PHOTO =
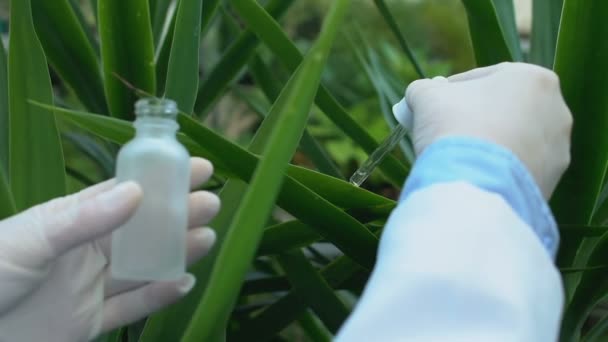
(462, 256)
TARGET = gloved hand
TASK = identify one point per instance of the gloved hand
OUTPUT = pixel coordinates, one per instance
(55, 283)
(516, 105)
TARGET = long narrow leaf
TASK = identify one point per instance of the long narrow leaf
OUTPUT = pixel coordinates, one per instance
(390, 20)
(7, 205)
(598, 332)
(127, 52)
(4, 128)
(36, 167)
(287, 309)
(163, 46)
(313, 289)
(314, 328)
(286, 236)
(591, 289)
(493, 31)
(546, 15)
(69, 51)
(158, 17)
(581, 65)
(233, 60)
(241, 242)
(309, 145)
(78, 6)
(182, 73)
(96, 152)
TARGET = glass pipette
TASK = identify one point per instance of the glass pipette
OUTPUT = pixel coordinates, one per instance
(403, 114)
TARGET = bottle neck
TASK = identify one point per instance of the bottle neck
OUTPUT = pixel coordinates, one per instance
(155, 127)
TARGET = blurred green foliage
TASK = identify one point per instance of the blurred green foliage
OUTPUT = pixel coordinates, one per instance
(438, 33)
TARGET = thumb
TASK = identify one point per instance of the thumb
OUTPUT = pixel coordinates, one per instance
(81, 218)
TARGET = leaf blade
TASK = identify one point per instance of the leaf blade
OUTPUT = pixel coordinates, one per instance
(493, 31)
(546, 15)
(313, 289)
(35, 149)
(127, 52)
(182, 72)
(66, 45)
(4, 113)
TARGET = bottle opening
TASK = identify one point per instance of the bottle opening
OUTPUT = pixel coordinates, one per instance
(155, 107)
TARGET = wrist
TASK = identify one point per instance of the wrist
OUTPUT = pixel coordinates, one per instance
(492, 168)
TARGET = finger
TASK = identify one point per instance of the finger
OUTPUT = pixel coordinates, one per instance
(202, 208)
(199, 243)
(476, 73)
(201, 171)
(96, 189)
(131, 306)
(88, 219)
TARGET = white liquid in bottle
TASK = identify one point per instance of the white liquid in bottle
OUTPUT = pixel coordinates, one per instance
(152, 244)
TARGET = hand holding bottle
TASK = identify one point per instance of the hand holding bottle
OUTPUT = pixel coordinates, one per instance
(55, 283)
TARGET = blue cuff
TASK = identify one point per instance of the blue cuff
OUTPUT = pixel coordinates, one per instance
(489, 167)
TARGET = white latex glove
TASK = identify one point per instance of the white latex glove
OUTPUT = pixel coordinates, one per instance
(516, 105)
(55, 283)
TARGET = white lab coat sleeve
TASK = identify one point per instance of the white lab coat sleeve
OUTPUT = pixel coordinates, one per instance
(457, 262)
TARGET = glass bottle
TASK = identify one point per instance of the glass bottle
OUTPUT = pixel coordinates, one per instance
(151, 245)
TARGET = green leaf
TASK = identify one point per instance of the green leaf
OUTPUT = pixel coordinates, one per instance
(163, 45)
(271, 33)
(581, 65)
(386, 94)
(7, 205)
(36, 167)
(313, 289)
(286, 236)
(238, 249)
(546, 15)
(66, 46)
(182, 73)
(314, 328)
(309, 145)
(4, 128)
(265, 285)
(591, 289)
(287, 309)
(598, 332)
(232, 61)
(338, 192)
(77, 6)
(493, 31)
(127, 52)
(95, 151)
(390, 20)
(158, 14)
(583, 86)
